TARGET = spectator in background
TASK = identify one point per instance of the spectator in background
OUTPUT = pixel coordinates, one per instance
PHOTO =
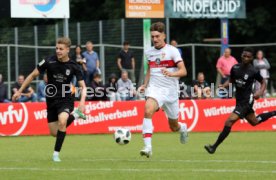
(41, 89)
(79, 58)
(201, 87)
(111, 87)
(92, 62)
(27, 94)
(126, 89)
(224, 65)
(3, 91)
(126, 61)
(174, 43)
(262, 64)
(98, 89)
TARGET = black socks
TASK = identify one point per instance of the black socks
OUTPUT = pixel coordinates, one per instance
(59, 140)
(225, 132)
(265, 116)
(70, 119)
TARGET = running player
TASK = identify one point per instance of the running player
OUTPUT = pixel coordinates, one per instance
(161, 86)
(60, 103)
(243, 76)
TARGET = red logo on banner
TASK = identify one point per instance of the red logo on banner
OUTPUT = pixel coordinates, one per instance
(13, 119)
(188, 113)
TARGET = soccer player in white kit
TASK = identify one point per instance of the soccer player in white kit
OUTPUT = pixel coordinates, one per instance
(161, 86)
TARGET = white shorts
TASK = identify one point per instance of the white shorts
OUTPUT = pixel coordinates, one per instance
(166, 100)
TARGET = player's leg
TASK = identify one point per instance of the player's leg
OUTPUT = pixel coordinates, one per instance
(172, 111)
(151, 107)
(232, 119)
(253, 120)
(61, 133)
(53, 128)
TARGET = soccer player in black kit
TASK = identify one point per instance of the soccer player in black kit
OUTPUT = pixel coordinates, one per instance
(60, 70)
(243, 76)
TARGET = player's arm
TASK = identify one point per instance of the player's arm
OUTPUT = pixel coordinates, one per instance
(83, 95)
(179, 73)
(262, 81)
(27, 81)
(146, 81)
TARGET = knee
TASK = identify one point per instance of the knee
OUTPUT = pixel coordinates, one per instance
(62, 124)
(149, 112)
(254, 123)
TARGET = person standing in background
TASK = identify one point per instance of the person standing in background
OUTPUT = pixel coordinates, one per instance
(224, 65)
(174, 43)
(79, 58)
(126, 61)
(92, 62)
(261, 64)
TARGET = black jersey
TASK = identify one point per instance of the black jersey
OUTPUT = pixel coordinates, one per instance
(59, 75)
(243, 77)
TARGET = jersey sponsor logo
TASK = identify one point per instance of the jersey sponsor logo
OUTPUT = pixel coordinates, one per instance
(163, 63)
(41, 62)
(67, 72)
(188, 113)
(13, 119)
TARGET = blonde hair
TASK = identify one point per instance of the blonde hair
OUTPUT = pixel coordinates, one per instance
(64, 40)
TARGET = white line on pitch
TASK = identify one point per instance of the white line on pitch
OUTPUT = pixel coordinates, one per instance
(161, 161)
(185, 161)
(136, 170)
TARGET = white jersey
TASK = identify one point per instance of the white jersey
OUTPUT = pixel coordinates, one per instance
(166, 57)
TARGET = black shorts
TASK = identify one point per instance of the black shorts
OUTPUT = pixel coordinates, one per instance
(243, 109)
(57, 106)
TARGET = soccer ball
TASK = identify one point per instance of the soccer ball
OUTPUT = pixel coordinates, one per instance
(122, 136)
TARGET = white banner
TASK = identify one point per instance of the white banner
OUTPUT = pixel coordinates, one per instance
(40, 9)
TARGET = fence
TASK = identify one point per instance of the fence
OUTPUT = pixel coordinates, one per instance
(22, 48)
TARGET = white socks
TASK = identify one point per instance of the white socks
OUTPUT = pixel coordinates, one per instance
(183, 127)
(147, 130)
(56, 153)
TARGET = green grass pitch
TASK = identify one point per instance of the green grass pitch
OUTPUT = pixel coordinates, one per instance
(244, 155)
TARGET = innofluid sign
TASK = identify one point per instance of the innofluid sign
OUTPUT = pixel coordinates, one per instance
(40, 9)
(205, 9)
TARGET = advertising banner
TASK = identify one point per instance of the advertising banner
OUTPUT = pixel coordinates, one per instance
(106, 116)
(144, 8)
(40, 9)
(205, 9)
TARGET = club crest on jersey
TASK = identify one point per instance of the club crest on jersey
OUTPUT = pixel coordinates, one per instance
(157, 61)
(67, 72)
(245, 76)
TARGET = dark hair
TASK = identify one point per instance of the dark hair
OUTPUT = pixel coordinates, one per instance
(78, 46)
(249, 49)
(126, 43)
(158, 26)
